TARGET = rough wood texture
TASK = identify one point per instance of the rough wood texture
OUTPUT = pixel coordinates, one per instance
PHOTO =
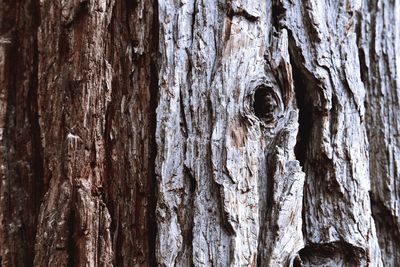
(21, 167)
(379, 51)
(86, 137)
(236, 173)
(199, 133)
(337, 206)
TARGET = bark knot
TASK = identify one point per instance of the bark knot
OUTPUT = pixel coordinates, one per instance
(266, 104)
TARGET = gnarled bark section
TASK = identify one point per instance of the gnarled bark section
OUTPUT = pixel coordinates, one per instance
(227, 119)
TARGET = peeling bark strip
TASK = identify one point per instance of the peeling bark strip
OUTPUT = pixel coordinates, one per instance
(199, 133)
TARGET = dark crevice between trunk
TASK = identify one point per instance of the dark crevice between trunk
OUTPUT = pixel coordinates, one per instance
(20, 199)
(71, 246)
(36, 160)
(305, 120)
(33, 117)
(364, 69)
(153, 126)
(108, 179)
(305, 114)
(186, 216)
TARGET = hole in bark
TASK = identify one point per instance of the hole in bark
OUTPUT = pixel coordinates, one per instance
(265, 104)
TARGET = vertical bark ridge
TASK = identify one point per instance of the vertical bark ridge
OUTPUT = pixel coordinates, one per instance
(20, 153)
(378, 40)
(212, 66)
(97, 131)
(130, 131)
(73, 93)
(336, 206)
(281, 224)
(173, 215)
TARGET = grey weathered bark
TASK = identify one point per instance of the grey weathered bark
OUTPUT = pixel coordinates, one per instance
(199, 132)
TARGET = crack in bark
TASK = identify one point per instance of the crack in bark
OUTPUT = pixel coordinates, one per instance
(154, 79)
(33, 116)
(71, 246)
(305, 116)
(305, 122)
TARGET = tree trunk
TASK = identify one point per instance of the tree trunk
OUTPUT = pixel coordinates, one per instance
(199, 133)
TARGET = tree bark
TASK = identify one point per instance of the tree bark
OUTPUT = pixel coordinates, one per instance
(199, 133)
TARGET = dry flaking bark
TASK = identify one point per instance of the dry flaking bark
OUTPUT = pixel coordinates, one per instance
(199, 132)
